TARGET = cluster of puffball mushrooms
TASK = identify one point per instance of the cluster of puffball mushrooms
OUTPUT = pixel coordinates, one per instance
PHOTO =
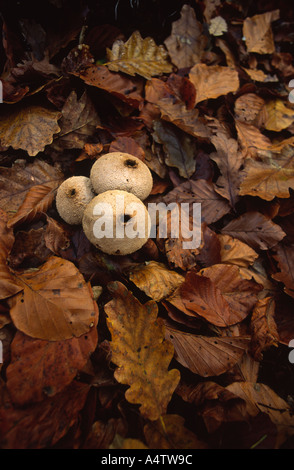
(114, 174)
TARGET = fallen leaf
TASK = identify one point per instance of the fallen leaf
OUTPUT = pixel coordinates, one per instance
(127, 145)
(284, 255)
(29, 246)
(56, 303)
(22, 178)
(39, 426)
(279, 116)
(29, 129)
(155, 280)
(229, 160)
(258, 33)
(283, 61)
(204, 355)
(140, 352)
(103, 433)
(256, 75)
(248, 107)
(273, 177)
(218, 26)
(169, 432)
(235, 252)
(263, 327)
(256, 230)
(213, 206)
(41, 368)
(8, 285)
(187, 42)
(212, 81)
(180, 148)
(138, 56)
(78, 122)
(55, 237)
(252, 141)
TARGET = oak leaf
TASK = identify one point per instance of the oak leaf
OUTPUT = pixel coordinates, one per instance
(140, 352)
(29, 129)
(138, 56)
(204, 355)
(55, 304)
(187, 42)
(212, 81)
(256, 230)
(155, 280)
(41, 368)
(169, 432)
(258, 33)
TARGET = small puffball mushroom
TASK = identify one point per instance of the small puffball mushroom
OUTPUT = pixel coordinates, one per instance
(116, 222)
(72, 197)
(121, 171)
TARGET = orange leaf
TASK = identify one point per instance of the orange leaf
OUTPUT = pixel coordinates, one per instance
(258, 32)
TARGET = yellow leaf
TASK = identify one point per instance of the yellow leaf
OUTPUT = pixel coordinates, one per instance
(29, 129)
(140, 352)
(156, 280)
(138, 56)
(212, 81)
(256, 75)
(279, 116)
(258, 32)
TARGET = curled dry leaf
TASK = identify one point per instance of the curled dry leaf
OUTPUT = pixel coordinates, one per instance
(8, 284)
(273, 177)
(55, 303)
(263, 327)
(207, 356)
(156, 280)
(39, 426)
(284, 255)
(140, 352)
(41, 368)
(258, 32)
(256, 230)
(212, 81)
(29, 129)
(138, 56)
(187, 42)
(169, 432)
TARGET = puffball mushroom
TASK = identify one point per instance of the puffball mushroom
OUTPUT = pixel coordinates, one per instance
(116, 222)
(72, 197)
(122, 171)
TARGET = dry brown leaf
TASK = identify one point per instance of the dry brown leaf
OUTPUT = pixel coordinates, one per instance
(204, 355)
(169, 432)
(8, 284)
(256, 230)
(252, 141)
(138, 56)
(55, 237)
(233, 251)
(126, 89)
(187, 120)
(29, 129)
(140, 352)
(284, 255)
(273, 177)
(127, 145)
(22, 178)
(229, 161)
(256, 75)
(248, 107)
(187, 42)
(156, 280)
(263, 327)
(258, 33)
(213, 81)
(279, 116)
(213, 206)
(41, 368)
(211, 7)
(78, 122)
(56, 303)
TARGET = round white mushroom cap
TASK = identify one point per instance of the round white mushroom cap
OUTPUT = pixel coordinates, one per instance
(72, 197)
(116, 222)
(121, 171)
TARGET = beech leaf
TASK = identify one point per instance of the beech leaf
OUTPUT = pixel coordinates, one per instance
(258, 33)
